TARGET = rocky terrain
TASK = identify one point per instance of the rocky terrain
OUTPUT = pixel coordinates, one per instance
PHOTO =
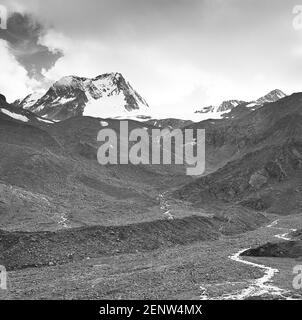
(37, 249)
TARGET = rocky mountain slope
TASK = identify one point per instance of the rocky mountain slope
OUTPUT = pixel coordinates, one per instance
(50, 178)
(254, 159)
(11, 112)
(106, 96)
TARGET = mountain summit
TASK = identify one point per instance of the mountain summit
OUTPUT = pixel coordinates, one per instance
(108, 95)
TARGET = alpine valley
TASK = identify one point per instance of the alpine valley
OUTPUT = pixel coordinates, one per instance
(73, 229)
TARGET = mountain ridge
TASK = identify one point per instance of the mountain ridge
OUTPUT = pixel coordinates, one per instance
(228, 105)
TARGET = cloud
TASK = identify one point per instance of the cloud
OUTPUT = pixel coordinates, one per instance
(14, 80)
(22, 34)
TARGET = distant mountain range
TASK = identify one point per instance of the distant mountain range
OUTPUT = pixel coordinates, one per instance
(227, 106)
(108, 95)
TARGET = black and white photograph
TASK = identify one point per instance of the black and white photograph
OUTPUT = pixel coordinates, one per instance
(151, 150)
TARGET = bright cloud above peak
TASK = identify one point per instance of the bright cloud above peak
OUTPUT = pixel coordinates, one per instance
(14, 80)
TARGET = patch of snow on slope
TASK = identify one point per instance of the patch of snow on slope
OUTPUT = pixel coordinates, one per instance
(104, 124)
(16, 116)
(46, 121)
(251, 105)
(106, 107)
(39, 108)
(65, 100)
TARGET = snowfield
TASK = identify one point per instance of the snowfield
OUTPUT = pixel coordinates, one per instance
(16, 116)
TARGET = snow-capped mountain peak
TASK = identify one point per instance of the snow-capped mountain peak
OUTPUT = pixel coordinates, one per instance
(225, 106)
(272, 96)
(229, 105)
(107, 95)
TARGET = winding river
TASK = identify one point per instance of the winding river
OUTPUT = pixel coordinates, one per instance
(259, 287)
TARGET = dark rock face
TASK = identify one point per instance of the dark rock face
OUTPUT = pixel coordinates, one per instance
(2, 98)
(288, 249)
(53, 110)
(206, 109)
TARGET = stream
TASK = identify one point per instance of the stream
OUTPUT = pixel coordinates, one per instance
(258, 287)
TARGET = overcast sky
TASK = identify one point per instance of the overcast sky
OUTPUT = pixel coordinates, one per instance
(176, 53)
